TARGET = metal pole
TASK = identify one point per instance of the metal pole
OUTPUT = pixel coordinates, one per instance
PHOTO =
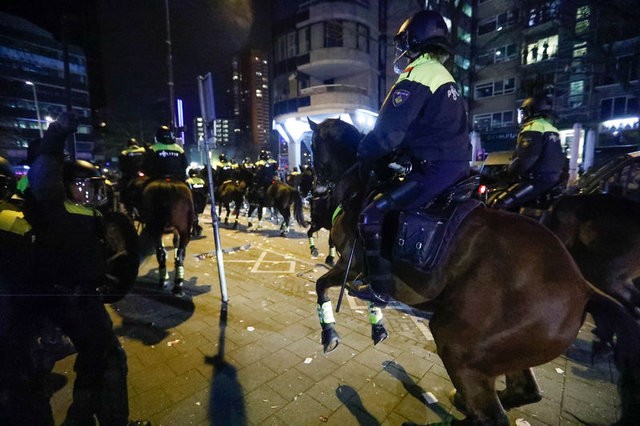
(35, 100)
(214, 217)
(172, 107)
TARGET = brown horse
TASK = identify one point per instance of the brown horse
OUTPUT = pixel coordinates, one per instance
(282, 197)
(167, 208)
(230, 191)
(512, 297)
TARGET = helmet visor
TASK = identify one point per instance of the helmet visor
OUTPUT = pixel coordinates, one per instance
(90, 192)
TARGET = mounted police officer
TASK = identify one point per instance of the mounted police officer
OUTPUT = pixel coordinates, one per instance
(165, 158)
(70, 263)
(423, 118)
(266, 169)
(227, 170)
(131, 160)
(539, 163)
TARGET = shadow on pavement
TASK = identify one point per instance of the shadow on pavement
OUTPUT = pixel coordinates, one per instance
(148, 312)
(350, 398)
(226, 400)
(398, 371)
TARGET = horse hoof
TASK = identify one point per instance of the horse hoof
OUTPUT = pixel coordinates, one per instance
(178, 290)
(329, 261)
(378, 333)
(330, 339)
(456, 400)
(314, 251)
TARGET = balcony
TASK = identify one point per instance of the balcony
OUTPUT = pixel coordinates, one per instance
(336, 62)
(343, 95)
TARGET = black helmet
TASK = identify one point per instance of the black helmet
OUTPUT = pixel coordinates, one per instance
(533, 107)
(84, 182)
(193, 172)
(264, 154)
(132, 142)
(424, 29)
(164, 135)
(223, 158)
(7, 180)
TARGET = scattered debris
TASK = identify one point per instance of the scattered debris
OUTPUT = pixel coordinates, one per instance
(250, 328)
(308, 360)
(173, 342)
(559, 371)
(522, 422)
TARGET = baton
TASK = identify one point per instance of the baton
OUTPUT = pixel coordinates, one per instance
(346, 274)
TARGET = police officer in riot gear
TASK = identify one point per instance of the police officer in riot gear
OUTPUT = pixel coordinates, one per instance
(69, 263)
(423, 118)
(84, 184)
(199, 191)
(165, 158)
(539, 163)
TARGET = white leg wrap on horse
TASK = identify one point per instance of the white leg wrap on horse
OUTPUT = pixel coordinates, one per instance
(332, 251)
(180, 272)
(312, 241)
(375, 314)
(325, 313)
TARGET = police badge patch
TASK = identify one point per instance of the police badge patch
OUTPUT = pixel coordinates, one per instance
(399, 96)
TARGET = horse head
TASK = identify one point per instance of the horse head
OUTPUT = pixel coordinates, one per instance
(334, 145)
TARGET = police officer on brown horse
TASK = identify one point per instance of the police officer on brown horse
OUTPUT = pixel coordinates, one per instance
(423, 118)
(539, 164)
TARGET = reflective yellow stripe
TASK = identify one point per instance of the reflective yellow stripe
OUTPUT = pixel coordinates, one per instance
(14, 222)
(80, 209)
(336, 213)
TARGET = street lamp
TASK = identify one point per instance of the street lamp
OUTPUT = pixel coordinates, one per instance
(35, 99)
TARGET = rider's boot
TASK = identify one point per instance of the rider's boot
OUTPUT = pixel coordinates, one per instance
(379, 284)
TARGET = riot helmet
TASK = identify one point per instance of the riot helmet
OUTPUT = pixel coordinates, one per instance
(223, 158)
(7, 180)
(164, 135)
(84, 183)
(193, 173)
(534, 107)
(426, 31)
(131, 142)
(264, 155)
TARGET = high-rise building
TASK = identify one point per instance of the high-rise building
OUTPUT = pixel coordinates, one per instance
(251, 101)
(335, 59)
(34, 88)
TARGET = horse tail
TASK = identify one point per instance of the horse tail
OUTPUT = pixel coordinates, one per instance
(297, 209)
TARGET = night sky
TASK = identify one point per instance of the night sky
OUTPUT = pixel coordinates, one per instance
(125, 44)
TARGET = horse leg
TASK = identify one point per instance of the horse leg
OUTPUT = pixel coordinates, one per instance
(330, 260)
(312, 246)
(476, 397)
(378, 331)
(286, 216)
(180, 253)
(250, 210)
(161, 256)
(475, 390)
(330, 337)
(236, 212)
(522, 388)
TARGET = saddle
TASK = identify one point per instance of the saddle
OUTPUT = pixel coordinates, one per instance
(424, 236)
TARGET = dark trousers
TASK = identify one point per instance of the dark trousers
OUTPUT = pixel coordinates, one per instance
(100, 387)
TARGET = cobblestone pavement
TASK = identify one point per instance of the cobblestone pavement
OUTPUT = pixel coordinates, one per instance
(267, 364)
